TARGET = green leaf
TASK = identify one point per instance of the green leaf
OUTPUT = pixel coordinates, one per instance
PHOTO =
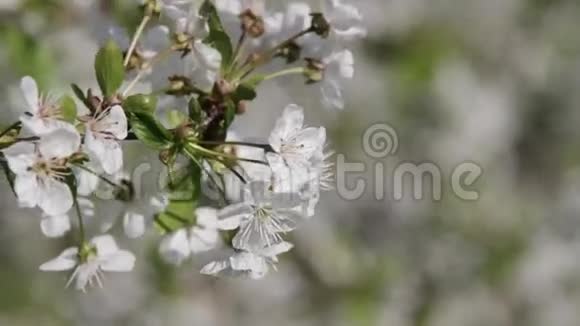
(196, 113)
(183, 201)
(150, 131)
(80, 95)
(140, 103)
(230, 114)
(10, 137)
(217, 38)
(109, 68)
(68, 108)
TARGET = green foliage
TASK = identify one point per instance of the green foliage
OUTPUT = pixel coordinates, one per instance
(68, 108)
(149, 130)
(217, 38)
(143, 103)
(109, 68)
(80, 95)
(245, 92)
(185, 192)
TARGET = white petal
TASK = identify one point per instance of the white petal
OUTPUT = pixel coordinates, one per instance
(245, 261)
(134, 224)
(174, 248)
(209, 57)
(115, 122)
(121, 261)
(27, 190)
(55, 226)
(231, 217)
(201, 240)
(55, 197)
(61, 143)
(215, 267)
(105, 245)
(42, 126)
(332, 94)
(207, 217)
(20, 157)
(65, 261)
(277, 249)
(291, 122)
(105, 151)
(30, 92)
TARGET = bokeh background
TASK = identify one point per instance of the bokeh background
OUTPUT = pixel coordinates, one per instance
(495, 82)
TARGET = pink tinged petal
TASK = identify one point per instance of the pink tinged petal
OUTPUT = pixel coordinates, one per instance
(67, 260)
(55, 226)
(105, 245)
(134, 224)
(27, 190)
(30, 92)
(61, 143)
(121, 261)
(20, 157)
(201, 240)
(174, 248)
(55, 197)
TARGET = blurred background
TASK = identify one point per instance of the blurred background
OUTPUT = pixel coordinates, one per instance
(494, 82)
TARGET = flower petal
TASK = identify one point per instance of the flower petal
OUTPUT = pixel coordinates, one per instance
(174, 248)
(60, 143)
(55, 226)
(105, 245)
(134, 224)
(30, 91)
(55, 197)
(120, 261)
(27, 190)
(65, 261)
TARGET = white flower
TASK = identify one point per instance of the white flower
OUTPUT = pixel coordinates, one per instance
(43, 112)
(103, 131)
(176, 247)
(254, 265)
(344, 19)
(338, 67)
(100, 255)
(41, 169)
(294, 147)
(262, 218)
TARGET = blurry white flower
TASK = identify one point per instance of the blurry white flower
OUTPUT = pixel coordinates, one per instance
(338, 67)
(176, 247)
(41, 169)
(100, 255)
(140, 211)
(262, 218)
(254, 265)
(344, 19)
(43, 112)
(103, 131)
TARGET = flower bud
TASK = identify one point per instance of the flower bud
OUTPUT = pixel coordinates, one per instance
(252, 24)
(320, 25)
(151, 8)
(222, 88)
(290, 52)
(314, 70)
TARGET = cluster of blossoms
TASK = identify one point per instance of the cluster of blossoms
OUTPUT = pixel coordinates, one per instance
(56, 155)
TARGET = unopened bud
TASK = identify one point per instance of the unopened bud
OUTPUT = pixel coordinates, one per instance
(241, 107)
(151, 8)
(222, 88)
(290, 52)
(320, 25)
(314, 70)
(252, 24)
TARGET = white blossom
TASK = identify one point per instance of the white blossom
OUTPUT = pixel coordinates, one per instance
(262, 218)
(176, 247)
(254, 264)
(55, 226)
(43, 112)
(41, 169)
(103, 131)
(294, 147)
(88, 263)
(339, 66)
